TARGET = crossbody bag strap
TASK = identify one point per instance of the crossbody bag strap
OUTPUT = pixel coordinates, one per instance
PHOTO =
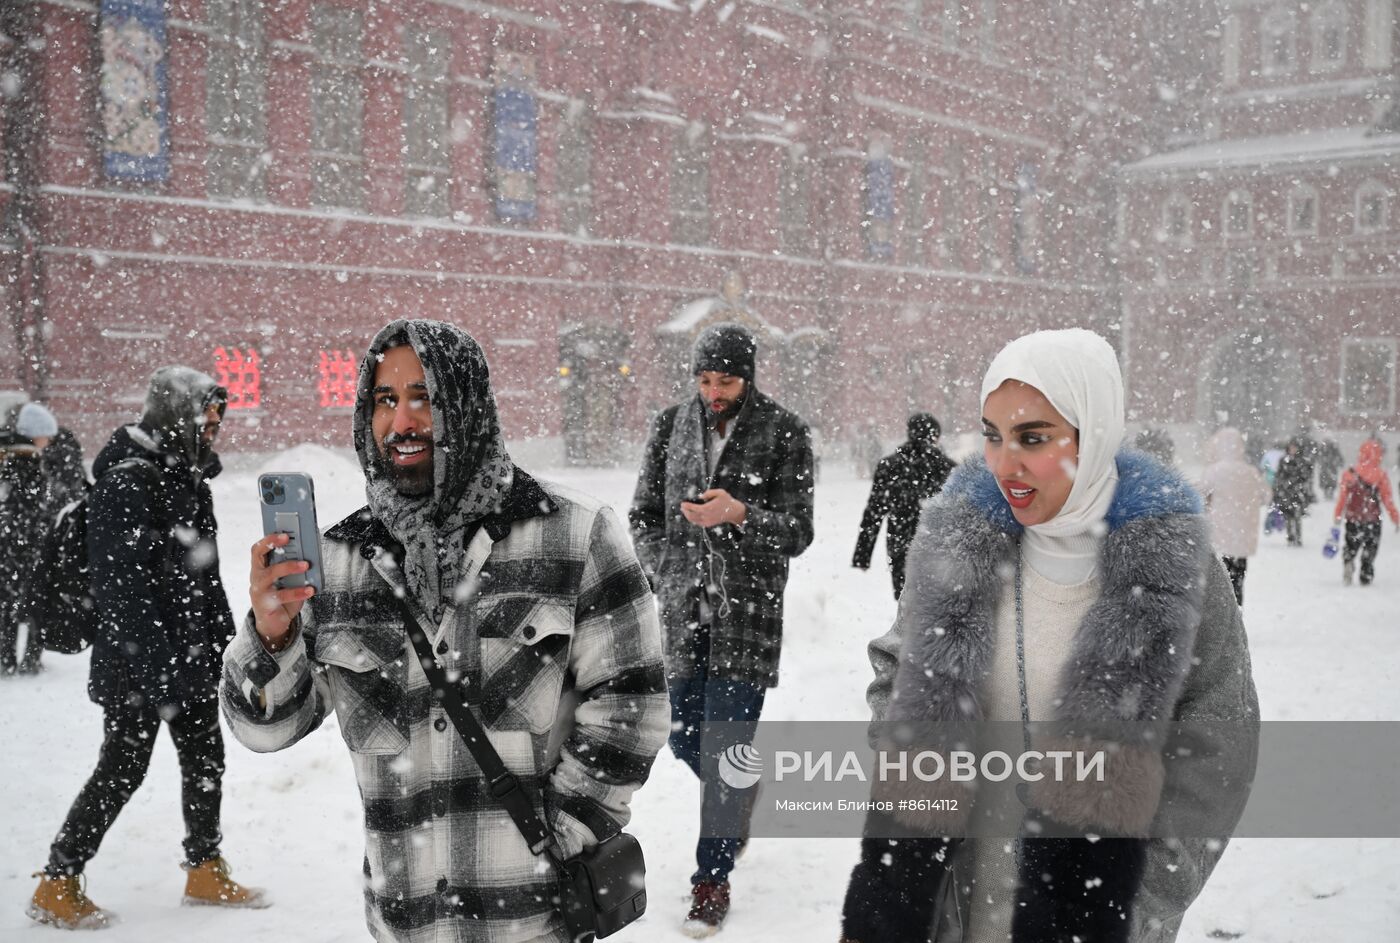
(504, 785)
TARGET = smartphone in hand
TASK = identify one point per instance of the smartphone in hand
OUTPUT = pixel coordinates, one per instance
(288, 502)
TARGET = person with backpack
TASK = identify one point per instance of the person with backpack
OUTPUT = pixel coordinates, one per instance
(24, 511)
(1293, 490)
(1365, 487)
(163, 622)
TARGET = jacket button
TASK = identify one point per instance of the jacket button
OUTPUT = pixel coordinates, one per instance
(442, 648)
(529, 632)
(440, 725)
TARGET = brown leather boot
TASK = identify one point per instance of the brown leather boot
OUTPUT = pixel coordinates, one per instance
(61, 902)
(209, 885)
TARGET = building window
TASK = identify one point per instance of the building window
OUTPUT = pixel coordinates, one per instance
(1025, 220)
(690, 188)
(950, 206)
(1239, 271)
(235, 100)
(1278, 42)
(575, 170)
(1237, 220)
(987, 193)
(794, 204)
(1329, 38)
(426, 133)
(514, 138)
(952, 23)
(915, 220)
(1302, 212)
(987, 28)
(1230, 51)
(1380, 27)
(337, 108)
(1176, 219)
(1368, 376)
(879, 200)
(1372, 208)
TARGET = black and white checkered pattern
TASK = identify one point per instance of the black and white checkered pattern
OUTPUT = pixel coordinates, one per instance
(559, 650)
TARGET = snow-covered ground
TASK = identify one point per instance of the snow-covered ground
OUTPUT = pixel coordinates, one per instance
(292, 820)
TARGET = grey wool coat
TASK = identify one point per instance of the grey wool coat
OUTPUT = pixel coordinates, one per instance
(767, 464)
(1164, 644)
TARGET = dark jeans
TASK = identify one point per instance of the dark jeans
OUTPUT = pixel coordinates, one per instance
(1293, 524)
(130, 735)
(1235, 566)
(1366, 540)
(9, 633)
(724, 811)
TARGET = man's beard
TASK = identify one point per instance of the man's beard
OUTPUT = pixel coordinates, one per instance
(411, 481)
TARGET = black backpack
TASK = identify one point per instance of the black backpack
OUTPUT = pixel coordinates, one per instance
(59, 603)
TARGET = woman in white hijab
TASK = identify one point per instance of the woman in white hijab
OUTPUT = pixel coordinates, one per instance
(1065, 584)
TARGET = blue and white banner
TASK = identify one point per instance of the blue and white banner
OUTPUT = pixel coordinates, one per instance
(515, 149)
(134, 94)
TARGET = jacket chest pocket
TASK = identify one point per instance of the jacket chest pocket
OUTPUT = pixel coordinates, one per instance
(369, 686)
(524, 656)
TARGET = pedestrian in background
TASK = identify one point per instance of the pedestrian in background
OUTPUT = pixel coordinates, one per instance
(24, 518)
(1365, 488)
(904, 481)
(1235, 492)
(1293, 490)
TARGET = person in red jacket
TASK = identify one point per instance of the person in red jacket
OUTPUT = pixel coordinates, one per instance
(1364, 488)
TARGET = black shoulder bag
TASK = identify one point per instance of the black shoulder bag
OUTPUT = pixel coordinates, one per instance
(603, 889)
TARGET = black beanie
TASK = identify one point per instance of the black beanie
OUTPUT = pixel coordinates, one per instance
(924, 427)
(726, 348)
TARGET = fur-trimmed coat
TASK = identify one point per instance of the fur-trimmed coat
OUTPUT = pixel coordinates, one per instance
(1163, 644)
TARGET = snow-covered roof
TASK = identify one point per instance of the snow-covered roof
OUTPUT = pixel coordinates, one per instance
(692, 314)
(1328, 145)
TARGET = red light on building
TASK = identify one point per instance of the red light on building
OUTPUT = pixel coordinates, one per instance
(238, 372)
(340, 373)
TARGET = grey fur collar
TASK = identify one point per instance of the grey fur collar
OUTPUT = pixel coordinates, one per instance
(1131, 653)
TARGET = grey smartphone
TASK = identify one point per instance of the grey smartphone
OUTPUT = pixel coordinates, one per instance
(289, 507)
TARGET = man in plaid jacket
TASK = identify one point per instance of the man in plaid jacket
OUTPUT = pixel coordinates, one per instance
(724, 499)
(529, 593)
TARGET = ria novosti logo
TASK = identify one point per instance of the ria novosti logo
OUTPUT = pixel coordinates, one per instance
(740, 766)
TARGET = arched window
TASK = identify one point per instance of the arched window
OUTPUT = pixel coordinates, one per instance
(1372, 207)
(1279, 42)
(1329, 37)
(1237, 218)
(1176, 219)
(1302, 211)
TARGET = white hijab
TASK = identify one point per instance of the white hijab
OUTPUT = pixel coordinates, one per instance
(1078, 373)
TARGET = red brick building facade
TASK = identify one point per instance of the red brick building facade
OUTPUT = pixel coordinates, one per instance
(901, 186)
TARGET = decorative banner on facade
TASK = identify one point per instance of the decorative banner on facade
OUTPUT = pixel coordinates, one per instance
(340, 375)
(515, 138)
(879, 201)
(238, 371)
(134, 95)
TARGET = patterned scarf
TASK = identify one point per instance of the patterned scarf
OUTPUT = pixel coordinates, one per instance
(472, 472)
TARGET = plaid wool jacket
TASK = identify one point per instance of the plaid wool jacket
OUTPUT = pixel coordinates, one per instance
(560, 614)
(767, 464)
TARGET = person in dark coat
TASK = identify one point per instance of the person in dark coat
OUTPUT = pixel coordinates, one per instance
(63, 469)
(723, 502)
(157, 657)
(1293, 490)
(25, 504)
(1329, 467)
(904, 480)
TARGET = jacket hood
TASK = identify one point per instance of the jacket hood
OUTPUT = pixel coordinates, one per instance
(1146, 488)
(173, 416)
(1370, 456)
(1227, 445)
(469, 453)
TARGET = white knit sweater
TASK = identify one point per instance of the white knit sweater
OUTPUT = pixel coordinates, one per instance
(1053, 613)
